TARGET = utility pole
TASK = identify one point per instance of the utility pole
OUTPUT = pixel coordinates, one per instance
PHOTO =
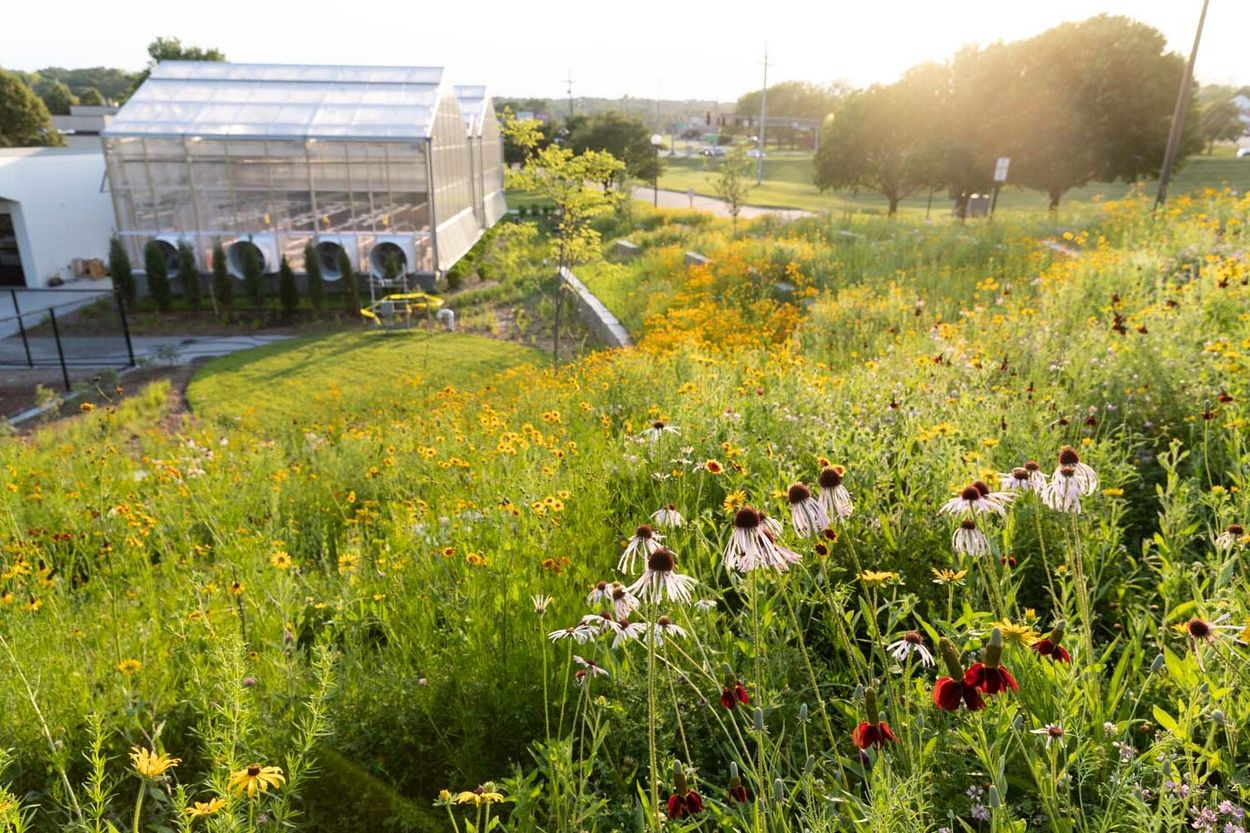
(569, 83)
(759, 163)
(1178, 115)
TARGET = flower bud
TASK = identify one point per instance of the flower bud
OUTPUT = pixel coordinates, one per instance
(733, 770)
(809, 764)
(758, 723)
(779, 791)
(993, 800)
(679, 778)
(870, 705)
(950, 656)
(994, 651)
(803, 718)
(1157, 665)
(1056, 633)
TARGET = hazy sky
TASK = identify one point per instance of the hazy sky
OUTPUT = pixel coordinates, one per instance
(673, 48)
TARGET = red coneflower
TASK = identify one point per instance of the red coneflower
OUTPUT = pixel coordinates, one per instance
(874, 731)
(684, 801)
(834, 497)
(989, 676)
(808, 516)
(734, 693)
(950, 691)
(1050, 647)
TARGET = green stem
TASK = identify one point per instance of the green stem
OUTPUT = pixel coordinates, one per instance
(139, 803)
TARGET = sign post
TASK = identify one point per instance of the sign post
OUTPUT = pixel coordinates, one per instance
(1000, 176)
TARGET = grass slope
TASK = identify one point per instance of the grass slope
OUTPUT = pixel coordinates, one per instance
(310, 376)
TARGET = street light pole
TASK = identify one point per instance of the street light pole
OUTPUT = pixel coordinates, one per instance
(656, 141)
(759, 164)
(1178, 115)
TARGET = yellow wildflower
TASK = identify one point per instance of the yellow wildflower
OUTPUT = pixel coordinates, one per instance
(205, 808)
(148, 764)
(256, 777)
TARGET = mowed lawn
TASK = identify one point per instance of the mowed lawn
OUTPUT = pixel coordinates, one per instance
(788, 183)
(310, 380)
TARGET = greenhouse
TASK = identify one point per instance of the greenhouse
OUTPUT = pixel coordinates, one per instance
(391, 166)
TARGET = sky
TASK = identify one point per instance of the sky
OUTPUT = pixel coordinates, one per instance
(642, 48)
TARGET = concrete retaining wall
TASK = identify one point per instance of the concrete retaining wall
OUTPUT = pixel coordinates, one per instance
(595, 315)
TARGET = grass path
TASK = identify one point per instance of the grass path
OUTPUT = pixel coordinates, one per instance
(310, 376)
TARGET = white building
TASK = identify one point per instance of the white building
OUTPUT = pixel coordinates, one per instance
(54, 208)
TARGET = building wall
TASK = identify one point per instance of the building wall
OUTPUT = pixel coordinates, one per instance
(61, 208)
(457, 227)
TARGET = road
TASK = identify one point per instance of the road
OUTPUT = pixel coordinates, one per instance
(680, 199)
(110, 351)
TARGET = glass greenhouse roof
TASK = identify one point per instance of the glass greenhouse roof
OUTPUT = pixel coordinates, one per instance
(472, 100)
(277, 101)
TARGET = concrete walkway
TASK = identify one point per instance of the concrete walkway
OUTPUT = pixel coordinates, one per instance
(110, 351)
(681, 199)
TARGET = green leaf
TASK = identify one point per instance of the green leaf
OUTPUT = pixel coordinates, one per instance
(1167, 722)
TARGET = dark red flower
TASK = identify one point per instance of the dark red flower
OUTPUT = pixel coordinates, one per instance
(872, 734)
(948, 693)
(990, 680)
(1047, 648)
(680, 806)
(734, 694)
(739, 794)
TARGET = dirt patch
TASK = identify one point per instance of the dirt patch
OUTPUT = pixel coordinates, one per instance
(19, 391)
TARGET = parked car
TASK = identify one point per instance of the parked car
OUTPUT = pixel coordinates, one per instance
(714, 151)
(1243, 153)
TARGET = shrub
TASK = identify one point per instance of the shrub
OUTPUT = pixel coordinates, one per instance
(288, 292)
(316, 284)
(222, 286)
(158, 275)
(188, 276)
(351, 290)
(253, 277)
(121, 273)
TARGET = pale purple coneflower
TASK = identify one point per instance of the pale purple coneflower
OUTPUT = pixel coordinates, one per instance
(834, 497)
(657, 430)
(705, 605)
(661, 581)
(624, 630)
(601, 593)
(1233, 536)
(971, 502)
(667, 516)
(644, 541)
(589, 668)
(665, 628)
(1084, 475)
(1052, 732)
(1026, 478)
(1063, 492)
(541, 603)
(753, 546)
(806, 513)
(579, 633)
(968, 540)
(911, 643)
(624, 602)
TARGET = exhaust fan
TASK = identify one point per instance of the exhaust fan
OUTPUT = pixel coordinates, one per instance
(265, 248)
(329, 248)
(398, 248)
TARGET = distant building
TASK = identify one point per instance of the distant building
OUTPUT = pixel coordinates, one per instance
(1242, 100)
(54, 210)
(81, 128)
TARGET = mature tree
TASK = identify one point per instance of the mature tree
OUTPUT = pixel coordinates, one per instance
(1221, 122)
(57, 97)
(733, 181)
(626, 138)
(1092, 101)
(157, 272)
(565, 178)
(121, 273)
(24, 120)
(111, 83)
(316, 284)
(875, 141)
(91, 97)
(171, 49)
(188, 276)
(796, 99)
(288, 292)
(351, 287)
(254, 276)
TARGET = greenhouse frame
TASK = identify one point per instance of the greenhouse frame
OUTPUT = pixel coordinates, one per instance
(391, 166)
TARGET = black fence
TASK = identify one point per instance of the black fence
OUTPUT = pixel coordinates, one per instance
(65, 328)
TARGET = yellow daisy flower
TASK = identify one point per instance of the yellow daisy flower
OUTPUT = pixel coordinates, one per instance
(205, 808)
(148, 764)
(256, 777)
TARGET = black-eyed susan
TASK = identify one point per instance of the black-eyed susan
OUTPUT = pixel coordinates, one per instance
(280, 559)
(201, 809)
(129, 667)
(484, 794)
(254, 778)
(1015, 633)
(876, 578)
(148, 764)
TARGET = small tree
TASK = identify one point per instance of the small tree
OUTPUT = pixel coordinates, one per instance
(158, 275)
(188, 276)
(316, 285)
(253, 277)
(734, 182)
(1221, 122)
(351, 292)
(121, 273)
(222, 288)
(288, 292)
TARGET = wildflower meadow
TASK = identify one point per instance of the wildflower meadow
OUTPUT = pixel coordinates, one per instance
(881, 526)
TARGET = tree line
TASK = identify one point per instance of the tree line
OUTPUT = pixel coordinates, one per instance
(1082, 102)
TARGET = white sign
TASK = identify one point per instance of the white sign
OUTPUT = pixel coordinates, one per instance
(1000, 169)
